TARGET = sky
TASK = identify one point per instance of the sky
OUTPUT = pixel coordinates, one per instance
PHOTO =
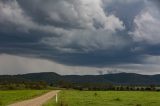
(80, 36)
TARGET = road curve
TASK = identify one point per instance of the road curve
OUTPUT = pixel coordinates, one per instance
(39, 101)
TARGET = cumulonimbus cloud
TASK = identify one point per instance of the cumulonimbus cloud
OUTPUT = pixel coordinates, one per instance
(80, 32)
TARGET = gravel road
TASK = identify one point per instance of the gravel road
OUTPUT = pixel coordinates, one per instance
(39, 101)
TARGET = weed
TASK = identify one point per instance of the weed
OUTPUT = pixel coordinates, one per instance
(95, 94)
(138, 105)
(117, 99)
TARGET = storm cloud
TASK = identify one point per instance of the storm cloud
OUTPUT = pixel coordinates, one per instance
(82, 33)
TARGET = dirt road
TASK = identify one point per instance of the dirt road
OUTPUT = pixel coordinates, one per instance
(39, 101)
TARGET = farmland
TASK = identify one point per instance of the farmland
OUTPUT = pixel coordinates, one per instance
(106, 98)
(8, 97)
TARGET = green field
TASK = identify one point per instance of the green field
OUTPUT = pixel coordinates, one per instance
(8, 97)
(106, 98)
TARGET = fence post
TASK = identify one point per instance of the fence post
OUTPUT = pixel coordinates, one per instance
(56, 98)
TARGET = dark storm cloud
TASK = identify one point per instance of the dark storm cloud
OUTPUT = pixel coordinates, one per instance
(84, 32)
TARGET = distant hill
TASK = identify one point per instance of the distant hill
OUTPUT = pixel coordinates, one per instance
(48, 77)
(118, 78)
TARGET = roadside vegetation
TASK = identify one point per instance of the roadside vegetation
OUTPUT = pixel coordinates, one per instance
(8, 97)
(106, 98)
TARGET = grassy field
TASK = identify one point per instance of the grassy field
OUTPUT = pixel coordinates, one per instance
(8, 97)
(106, 98)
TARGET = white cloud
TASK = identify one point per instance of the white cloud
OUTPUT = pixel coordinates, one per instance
(147, 25)
(81, 13)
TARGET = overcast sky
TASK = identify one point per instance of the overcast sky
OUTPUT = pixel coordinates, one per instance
(79, 36)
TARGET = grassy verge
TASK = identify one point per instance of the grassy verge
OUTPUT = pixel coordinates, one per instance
(8, 97)
(106, 98)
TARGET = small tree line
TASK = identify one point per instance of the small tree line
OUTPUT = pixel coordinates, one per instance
(14, 85)
(107, 86)
(5, 85)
